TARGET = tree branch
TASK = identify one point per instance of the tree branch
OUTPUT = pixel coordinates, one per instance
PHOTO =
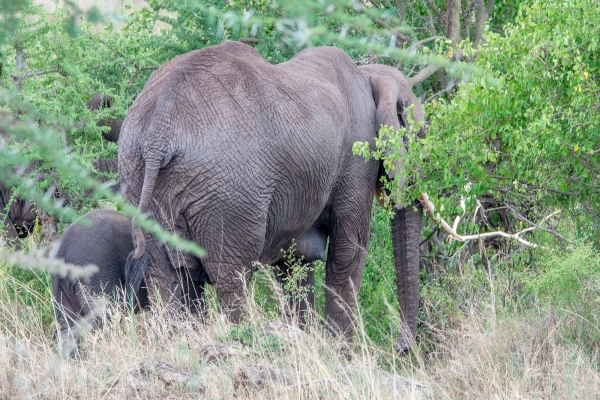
(422, 75)
(436, 10)
(429, 208)
(137, 71)
(482, 13)
(520, 217)
(589, 209)
(453, 22)
(249, 40)
(37, 73)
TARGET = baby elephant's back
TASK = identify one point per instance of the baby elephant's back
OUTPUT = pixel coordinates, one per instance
(104, 240)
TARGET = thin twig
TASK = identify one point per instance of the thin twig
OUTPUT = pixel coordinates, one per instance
(589, 209)
(37, 73)
(137, 71)
(520, 217)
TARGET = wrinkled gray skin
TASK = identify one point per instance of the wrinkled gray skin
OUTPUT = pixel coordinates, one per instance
(243, 157)
(106, 165)
(106, 243)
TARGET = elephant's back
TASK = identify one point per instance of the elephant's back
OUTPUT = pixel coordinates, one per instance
(105, 243)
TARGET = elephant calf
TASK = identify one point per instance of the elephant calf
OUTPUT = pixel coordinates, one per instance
(107, 243)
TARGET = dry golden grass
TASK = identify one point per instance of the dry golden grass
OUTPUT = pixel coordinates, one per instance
(170, 354)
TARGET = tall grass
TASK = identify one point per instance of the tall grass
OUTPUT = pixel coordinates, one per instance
(479, 339)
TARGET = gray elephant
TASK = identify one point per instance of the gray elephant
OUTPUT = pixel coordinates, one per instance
(243, 157)
(106, 243)
(98, 102)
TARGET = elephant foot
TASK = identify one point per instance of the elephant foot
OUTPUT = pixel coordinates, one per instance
(404, 344)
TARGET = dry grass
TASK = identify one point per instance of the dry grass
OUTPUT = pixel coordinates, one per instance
(168, 354)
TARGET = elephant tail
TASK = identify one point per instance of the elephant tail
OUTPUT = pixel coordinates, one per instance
(153, 164)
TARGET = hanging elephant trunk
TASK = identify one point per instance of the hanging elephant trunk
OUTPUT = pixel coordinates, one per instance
(393, 95)
(406, 236)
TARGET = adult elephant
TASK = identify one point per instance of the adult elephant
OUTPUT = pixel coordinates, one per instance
(242, 157)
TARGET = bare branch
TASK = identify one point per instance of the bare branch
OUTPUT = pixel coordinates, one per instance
(429, 39)
(453, 22)
(436, 10)
(429, 208)
(521, 217)
(423, 74)
(589, 209)
(20, 63)
(489, 7)
(447, 90)
(467, 17)
(482, 13)
(399, 35)
(37, 73)
(249, 40)
(401, 9)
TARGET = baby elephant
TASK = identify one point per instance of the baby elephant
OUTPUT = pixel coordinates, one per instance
(106, 243)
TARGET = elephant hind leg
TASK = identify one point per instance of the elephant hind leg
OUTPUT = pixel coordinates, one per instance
(162, 280)
(344, 269)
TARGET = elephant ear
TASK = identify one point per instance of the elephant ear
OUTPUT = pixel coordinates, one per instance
(389, 111)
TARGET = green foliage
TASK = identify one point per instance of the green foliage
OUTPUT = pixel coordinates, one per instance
(378, 304)
(532, 136)
(564, 275)
(298, 272)
(29, 289)
(255, 337)
(390, 147)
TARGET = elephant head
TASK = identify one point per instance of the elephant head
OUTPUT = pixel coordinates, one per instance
(392, 94)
